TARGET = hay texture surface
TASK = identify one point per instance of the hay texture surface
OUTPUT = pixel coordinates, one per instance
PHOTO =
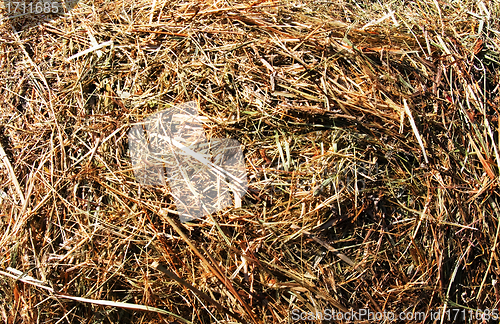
(370, 135)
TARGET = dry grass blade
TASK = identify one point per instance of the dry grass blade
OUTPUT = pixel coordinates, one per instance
(212, 267)
(328, 247)
(12, 174)
(195, 290)
(18, 275)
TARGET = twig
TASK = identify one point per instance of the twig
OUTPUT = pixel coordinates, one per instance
(415, 129)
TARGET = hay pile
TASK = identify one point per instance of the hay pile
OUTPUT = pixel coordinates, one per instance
(371, 140)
